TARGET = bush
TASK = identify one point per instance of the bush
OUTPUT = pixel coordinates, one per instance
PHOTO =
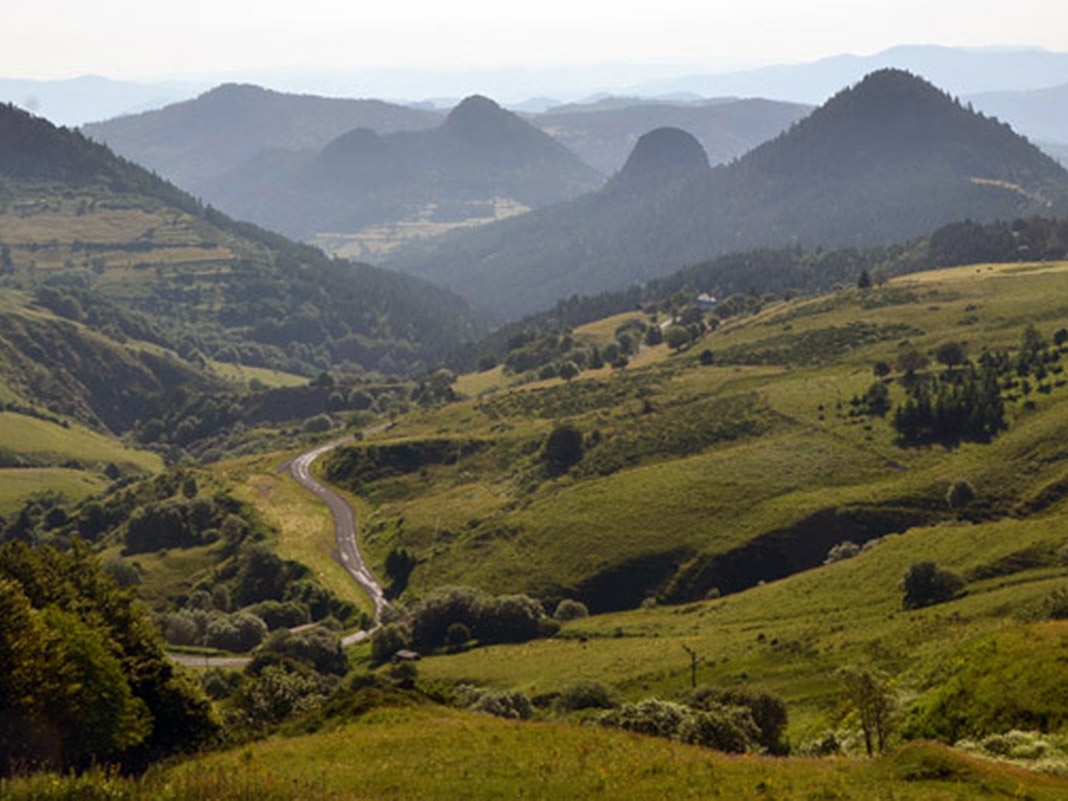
(318, 648)
(512, 705)
(1056, 605)
(960, 494)
(238, 632)
(767, 712)
(926, 584)
(568, 609)
(510, 618)
(843, 550)
(457, 635)
(585, 695)
(281, 615)
(387, 640)
(563, 449)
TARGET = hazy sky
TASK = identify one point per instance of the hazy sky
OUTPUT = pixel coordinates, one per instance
(152, 38)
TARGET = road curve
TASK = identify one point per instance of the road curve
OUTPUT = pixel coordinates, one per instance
(348, 548)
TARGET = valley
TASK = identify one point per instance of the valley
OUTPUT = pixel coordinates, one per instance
(715, 447)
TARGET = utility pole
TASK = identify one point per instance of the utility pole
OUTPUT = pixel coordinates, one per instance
(694, 661)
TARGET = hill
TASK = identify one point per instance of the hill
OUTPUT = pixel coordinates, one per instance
(603, 137)
(192, 142)
(884, 160)
(481, 162)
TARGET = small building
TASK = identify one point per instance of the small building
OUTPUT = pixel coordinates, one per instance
(406, 655)
(705, 302)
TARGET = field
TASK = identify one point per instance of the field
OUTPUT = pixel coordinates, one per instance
(685, 463)
(17, 484)
(434, 753)
(50, 443)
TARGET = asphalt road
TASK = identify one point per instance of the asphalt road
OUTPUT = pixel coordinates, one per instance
(348, 547)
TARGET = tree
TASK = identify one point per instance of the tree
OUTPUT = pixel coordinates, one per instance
(399, 566)
(563, 449)
(951, 354)
(568, 609)
(1060, 336)
(869, 691)
(260, 575)
(960, 494)
(568, 370)
(925, 584)
(881, 369)
(387, 640)
(864, 280)
(911, 360)
(677, 337)
(653, 335)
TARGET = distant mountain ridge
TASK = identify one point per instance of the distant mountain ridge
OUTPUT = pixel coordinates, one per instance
(886, 159)
(478, 155)
(191, 142)
(604, 133)
(959, 71)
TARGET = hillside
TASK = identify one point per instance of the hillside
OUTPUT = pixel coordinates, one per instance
(122, 299)
(99, 240)
(603, 137)
(884, 160)
(480, 163)
(192, 142)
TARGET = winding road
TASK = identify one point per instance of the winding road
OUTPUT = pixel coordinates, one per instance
(348, 547)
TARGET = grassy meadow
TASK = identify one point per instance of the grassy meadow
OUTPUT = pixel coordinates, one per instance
(692, 461)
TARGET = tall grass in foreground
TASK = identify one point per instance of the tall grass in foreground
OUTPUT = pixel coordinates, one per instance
(214, 784)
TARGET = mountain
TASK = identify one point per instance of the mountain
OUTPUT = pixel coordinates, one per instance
(886, 159)
(191, 142)
(480, 158)
(1041, 114)
(118, 286)
(957, 70)
(603, 133)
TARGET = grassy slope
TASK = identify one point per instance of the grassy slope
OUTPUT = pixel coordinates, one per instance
(17, 484)
(443, 754)
(52, 443)
(476, 522)
(305, 526)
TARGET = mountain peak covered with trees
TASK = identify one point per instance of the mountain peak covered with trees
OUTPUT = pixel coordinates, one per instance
(664, 154)
(884, 160)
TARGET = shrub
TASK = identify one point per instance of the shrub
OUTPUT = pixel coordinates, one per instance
(585, 695)
(568, 609)
(387, 640)
(239, 632)
(1056, 605)
(960, 494)
(512, 705)
(457, 635)
(317, 648)
(563, 449)
(926, 584)
(843, 550)
(510, 618)
(767, 712)
(279, 615)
